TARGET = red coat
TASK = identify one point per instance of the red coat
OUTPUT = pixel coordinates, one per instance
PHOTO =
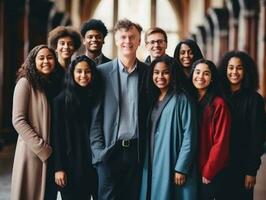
(214, 138)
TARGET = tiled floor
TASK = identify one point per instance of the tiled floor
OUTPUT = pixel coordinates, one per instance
(6, 159)
(6, 162)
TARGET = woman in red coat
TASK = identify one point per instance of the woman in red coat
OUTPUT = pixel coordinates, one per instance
(214, 131)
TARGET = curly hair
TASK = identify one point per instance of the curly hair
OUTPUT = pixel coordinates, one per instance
(93, 24)
(63, 31)
(250, 80)
(29, 71)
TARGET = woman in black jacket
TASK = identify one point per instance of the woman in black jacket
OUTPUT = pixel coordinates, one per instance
(74, 173)
(240, 79)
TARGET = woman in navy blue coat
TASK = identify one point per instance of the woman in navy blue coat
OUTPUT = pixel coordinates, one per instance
(74, 173)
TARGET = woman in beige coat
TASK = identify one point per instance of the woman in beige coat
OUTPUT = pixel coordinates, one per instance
(31, 119)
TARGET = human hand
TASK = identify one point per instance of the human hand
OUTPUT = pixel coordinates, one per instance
(250, 182)
(61, 178)
(205, 181)
(179, 179)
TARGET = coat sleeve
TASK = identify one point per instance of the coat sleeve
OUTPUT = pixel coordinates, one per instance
(20, 120)
(219, 152)
(257, 135)
(188, 129)
(96, 132)
(59, 134)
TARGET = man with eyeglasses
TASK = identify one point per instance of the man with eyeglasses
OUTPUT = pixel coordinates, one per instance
(156, 43)
(93, 33)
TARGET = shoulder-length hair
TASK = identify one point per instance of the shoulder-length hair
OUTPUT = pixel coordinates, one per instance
(194, 48)
(177, 82)
(72, 88)
(29, 71)
(250, 80)
(214, 89)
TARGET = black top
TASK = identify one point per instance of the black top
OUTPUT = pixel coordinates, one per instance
(248, 131)
(70, 134)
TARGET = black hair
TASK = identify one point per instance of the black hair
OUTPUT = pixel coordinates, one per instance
(214, 89)
(93, 24)
(177, 82)
(75, 93)
(194, 48)
(250, 80)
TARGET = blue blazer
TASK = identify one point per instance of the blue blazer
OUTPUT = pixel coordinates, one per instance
(106, 112)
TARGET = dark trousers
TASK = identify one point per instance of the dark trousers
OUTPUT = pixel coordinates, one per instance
(236, 185)
(119, 176)
(217, 189)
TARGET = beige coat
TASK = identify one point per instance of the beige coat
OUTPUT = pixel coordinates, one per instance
(31, 119)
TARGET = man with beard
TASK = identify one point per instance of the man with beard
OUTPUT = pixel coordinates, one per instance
(93, 33)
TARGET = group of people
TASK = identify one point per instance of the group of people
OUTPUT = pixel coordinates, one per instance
(172, 127)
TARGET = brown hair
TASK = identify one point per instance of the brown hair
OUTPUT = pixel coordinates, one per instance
(126, 24)
(29, 71)
(63, 31)
(155, 30)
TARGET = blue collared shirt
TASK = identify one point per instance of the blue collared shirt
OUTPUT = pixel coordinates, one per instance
(128, 125)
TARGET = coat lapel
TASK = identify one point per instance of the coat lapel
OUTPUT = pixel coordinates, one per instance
(115, 78)
(157, 118)
(167, 98)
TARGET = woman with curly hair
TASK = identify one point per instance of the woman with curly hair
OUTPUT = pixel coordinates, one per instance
(74, 173)
(65, 40)
(31, 120)
(240, 79)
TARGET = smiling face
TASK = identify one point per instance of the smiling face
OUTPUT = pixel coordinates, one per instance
(93, 41)
(82, 74)
(127, 41)
(156, 45)
(161, 76)
(65, 47)
(235, 72)
(45, 61)
(201, 78)
(186, 55)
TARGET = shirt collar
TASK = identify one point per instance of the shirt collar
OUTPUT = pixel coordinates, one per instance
(123, 69)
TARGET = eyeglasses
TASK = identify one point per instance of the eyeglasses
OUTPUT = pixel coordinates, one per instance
(153, 42)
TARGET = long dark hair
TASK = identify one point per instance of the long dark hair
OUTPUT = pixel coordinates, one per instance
(177, 82)
(75, 94)
(194, 48)
(250, 80)
(214, 89)
(29, 71)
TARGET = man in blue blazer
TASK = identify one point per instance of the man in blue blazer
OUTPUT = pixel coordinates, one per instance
(118, 120)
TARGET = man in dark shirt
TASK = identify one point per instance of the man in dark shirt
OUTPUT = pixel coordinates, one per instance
(93, 33)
